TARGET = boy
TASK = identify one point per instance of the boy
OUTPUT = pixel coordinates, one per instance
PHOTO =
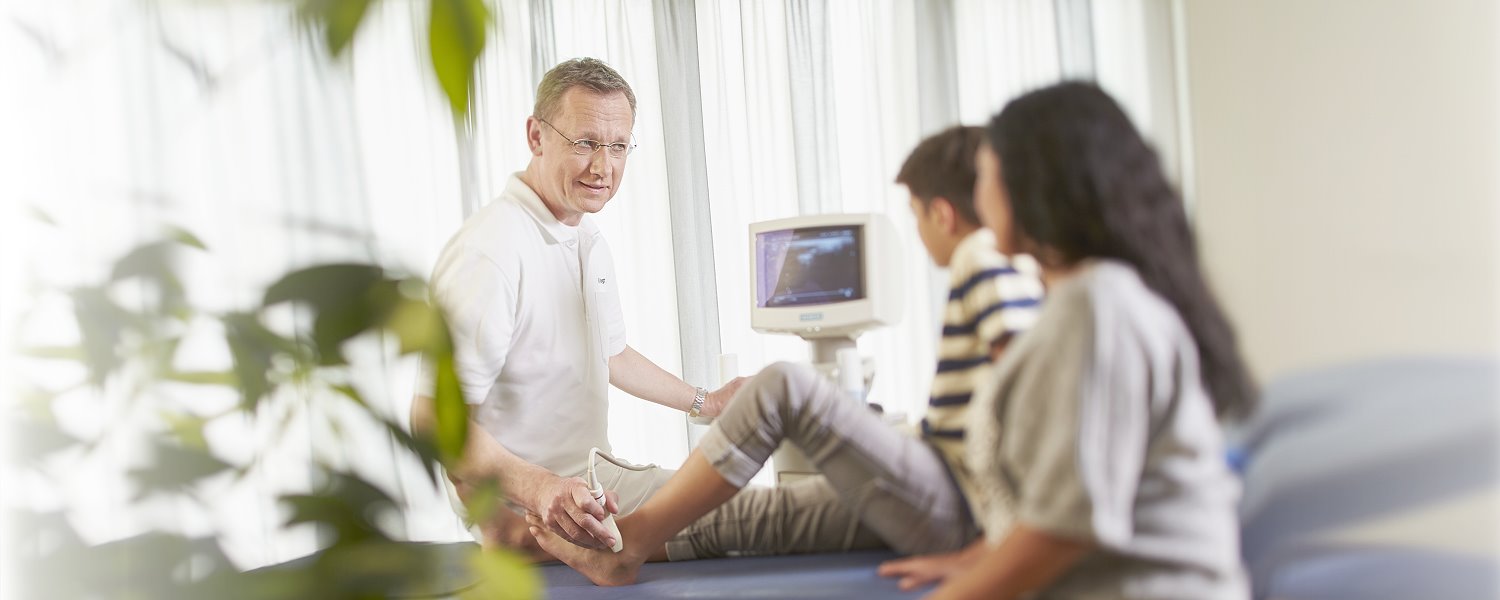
(990, 297)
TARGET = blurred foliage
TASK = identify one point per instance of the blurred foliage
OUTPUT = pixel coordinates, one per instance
(130, 348)
(456, 35)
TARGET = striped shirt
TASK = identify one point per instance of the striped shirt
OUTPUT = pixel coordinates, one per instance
(989, 297)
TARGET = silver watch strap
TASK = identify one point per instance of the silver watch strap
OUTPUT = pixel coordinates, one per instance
(699, 395)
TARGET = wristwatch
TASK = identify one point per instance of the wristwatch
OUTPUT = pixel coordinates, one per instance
(699, 395)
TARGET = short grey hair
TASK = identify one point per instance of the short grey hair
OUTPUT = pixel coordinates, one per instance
(590, 73)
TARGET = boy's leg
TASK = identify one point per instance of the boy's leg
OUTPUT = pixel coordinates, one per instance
(801, 517)
(897, 485)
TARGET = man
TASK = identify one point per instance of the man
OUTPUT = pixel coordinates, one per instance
(529, 287)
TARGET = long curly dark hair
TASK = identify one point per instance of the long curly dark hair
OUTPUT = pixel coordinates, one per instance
(1083, 183)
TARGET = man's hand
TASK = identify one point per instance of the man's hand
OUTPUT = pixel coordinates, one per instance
(718, 400)
(567, 507)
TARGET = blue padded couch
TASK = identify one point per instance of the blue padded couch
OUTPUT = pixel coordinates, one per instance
(1374, 481)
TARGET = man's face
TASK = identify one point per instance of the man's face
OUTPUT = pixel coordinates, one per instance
(571, 184)
(991, 200)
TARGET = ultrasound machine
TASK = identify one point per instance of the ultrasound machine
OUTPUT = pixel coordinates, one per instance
(826, 279)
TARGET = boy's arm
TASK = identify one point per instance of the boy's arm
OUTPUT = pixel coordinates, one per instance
(1027, 560)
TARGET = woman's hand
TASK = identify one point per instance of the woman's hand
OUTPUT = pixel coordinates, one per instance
(916, 571)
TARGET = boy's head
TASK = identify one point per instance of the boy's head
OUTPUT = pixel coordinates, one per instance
(940, 176)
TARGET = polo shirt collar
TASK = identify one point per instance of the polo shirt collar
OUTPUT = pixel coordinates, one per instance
(556, 231)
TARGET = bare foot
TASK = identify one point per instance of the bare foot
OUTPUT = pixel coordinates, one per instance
(508, 531)
(602, 567)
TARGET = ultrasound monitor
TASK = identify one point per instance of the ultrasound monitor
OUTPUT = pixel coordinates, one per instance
(824, 276)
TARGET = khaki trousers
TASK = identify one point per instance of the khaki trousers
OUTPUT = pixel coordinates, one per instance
(880, 487)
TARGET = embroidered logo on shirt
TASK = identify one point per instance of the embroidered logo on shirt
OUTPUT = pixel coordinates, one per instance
(601, 280)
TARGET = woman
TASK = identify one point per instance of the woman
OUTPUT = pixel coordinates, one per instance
(1097, 452)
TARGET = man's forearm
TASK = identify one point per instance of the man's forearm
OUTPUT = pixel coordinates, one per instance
(636, 375)
(484, 459)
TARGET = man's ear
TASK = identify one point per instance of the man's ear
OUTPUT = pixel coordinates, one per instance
(943, 211)
(534, 135)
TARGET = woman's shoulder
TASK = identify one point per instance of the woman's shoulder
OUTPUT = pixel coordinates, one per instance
(1120, 301)
(1110, 282)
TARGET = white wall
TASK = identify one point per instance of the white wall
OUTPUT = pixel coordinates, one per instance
(1348, 170)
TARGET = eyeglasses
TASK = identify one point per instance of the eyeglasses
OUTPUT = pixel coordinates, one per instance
(589, 147)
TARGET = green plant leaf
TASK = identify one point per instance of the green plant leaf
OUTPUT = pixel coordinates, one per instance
(324, 287)
(187, 430)
(356, 570)
(449, 410)
(252, 346)
(483, 499)
(419, 327)
(503, 576)
(33, 440)
(176, 468)
(352, 393)
(277, 582)
(155, 263)
(150, 565)
(186, 238)
(339, 20)
(376, 568)
(346, 299)
(361, 313)
(421, 446)
(346, 504)
(101, 324)
(456, 37)
(224, 378)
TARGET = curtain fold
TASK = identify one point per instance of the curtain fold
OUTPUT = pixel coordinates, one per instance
(811, 79)
(687, 186)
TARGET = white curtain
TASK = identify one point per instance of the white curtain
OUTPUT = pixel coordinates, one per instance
(227, 120)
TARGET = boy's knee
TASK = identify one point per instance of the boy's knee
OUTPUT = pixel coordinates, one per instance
(785, 376)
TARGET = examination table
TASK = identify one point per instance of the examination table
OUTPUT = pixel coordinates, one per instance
(809, 576)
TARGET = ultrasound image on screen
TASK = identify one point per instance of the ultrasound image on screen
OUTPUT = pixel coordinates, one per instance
(813, 265)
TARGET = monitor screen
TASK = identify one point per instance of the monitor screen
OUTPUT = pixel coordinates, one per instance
(809, 265)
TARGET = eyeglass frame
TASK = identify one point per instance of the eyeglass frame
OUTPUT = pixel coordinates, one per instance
(584, 143)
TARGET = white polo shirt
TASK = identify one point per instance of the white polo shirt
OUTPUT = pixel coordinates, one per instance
(535, 313)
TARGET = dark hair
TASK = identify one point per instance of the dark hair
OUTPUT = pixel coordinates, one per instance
(1083, 183)
(943, 166)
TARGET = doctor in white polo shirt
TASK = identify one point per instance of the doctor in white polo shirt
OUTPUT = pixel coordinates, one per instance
(529, 286)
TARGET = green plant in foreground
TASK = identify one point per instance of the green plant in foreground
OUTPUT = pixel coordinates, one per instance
(129, 351)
